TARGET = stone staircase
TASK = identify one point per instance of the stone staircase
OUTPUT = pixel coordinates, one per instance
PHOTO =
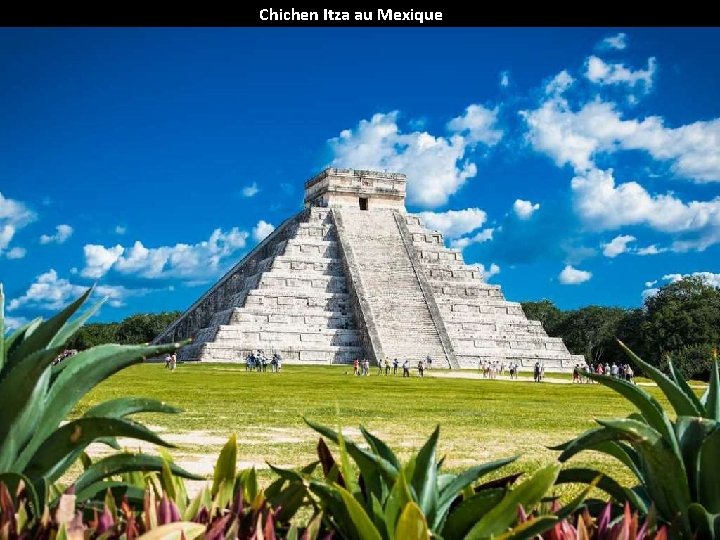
(289, 295)
(397, 307)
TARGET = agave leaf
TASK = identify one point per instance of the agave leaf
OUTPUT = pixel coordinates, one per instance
(364, 526)
(650, 408)
(530, 528)
(70, 328)
(398, 498)
(681, 402)
(455, 487)
(125, 462)
(225, 465)
(605, 483)
(124, 406)
(14, 340)
(708, 487)
(469, 511)
(180, 530)
(685, 387)
(692, 433)
(711, 397)
(82, 373)
(527, 495)
(65, 445)
(347, 472)
(412, 524)
(424, 478)
(2, 327)
(380, 448)
(586, 441)
(624, 453)
(43, 335)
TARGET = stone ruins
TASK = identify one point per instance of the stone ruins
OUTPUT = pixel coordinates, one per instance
(354, 275)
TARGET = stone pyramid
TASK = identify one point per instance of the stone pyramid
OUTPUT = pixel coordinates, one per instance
(354, 275)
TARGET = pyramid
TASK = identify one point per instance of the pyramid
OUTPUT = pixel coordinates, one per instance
(353, 275)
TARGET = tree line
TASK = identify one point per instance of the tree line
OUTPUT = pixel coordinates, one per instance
(681, 321)
(139, 328)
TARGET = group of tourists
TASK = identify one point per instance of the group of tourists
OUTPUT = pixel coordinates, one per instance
(258, 361)
(63, 355)
(361, 367)
(491, 369)
(171, 361)
(619, 371)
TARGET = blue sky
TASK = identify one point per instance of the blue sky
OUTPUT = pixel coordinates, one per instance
(579, 165)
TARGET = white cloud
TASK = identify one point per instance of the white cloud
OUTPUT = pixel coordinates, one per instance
(483, 236)
(50, 292)
(185, 261)
(604, 205)
(16, 253)
(487, 273)
(251, 190)
(617, 42)
(599, 72)
(618, 245)
(13, 323)
(454, 223)
(525, 209)
(573, 276)
(504, 79)
(559, 83)
(62, 233)
(708, 277)
(437, 167)
(14, 215)
(576, 138)
(478, 125)
(651, 250)
(120, 229)
(262, 230)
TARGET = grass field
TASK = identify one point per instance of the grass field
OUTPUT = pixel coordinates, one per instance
(480, 420)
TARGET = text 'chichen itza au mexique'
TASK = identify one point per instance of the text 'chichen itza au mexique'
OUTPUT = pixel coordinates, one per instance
(353, 275)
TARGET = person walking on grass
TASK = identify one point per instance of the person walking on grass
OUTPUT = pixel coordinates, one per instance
(428, 362)
(387, 366)
(356, 367)
(421, 368)
(406, 368)
(380, 366)
(366, 367)
(173, 362)
(536, 372)
(396, 363)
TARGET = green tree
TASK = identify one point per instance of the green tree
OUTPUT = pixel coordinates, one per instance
(139, 328)
(547, 313)
(591, 331)
(681, 314)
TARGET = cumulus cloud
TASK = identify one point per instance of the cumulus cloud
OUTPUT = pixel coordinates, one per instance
(16, 253)
(617, 42)
(504, 79)
(573, 276)
(651, 250)
(250, 191)
(14, 215)
(559, 83)
(708, 277)
(577, 137)
(599, 72)
(525, 209)
(454, 223)
(62, 233)
(487, 273)
(50, 292)
(262, 230)
(478, 125)
(13, 323)
(478, 238)
(618, 245)
(184, 261)
(604, 205)
(437, 166)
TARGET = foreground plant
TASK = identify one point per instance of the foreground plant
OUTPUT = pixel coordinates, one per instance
(676, 462)
(36, 397)
(391, 500)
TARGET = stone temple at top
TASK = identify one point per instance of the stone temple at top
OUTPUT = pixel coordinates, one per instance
(353, 275)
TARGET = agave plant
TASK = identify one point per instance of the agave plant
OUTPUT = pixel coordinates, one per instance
(675, 461)
(391, 500)
(36, 396)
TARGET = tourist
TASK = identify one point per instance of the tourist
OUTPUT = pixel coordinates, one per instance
(576, 374)
(421, 368)
(167, 361)
(536, 372)
(614, 370)
(249, 362)
(406, 368)
(396, 363)
(387, 366)
(356, 367)
(366, 367)
(629, 374)
(173, 362)
(428, 361)
(511, 369)
(279, 362)
(380, 366)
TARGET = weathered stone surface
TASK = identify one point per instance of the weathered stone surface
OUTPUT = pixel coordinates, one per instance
(353, 275)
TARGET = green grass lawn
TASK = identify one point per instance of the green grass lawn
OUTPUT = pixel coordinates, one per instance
(480, 420)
